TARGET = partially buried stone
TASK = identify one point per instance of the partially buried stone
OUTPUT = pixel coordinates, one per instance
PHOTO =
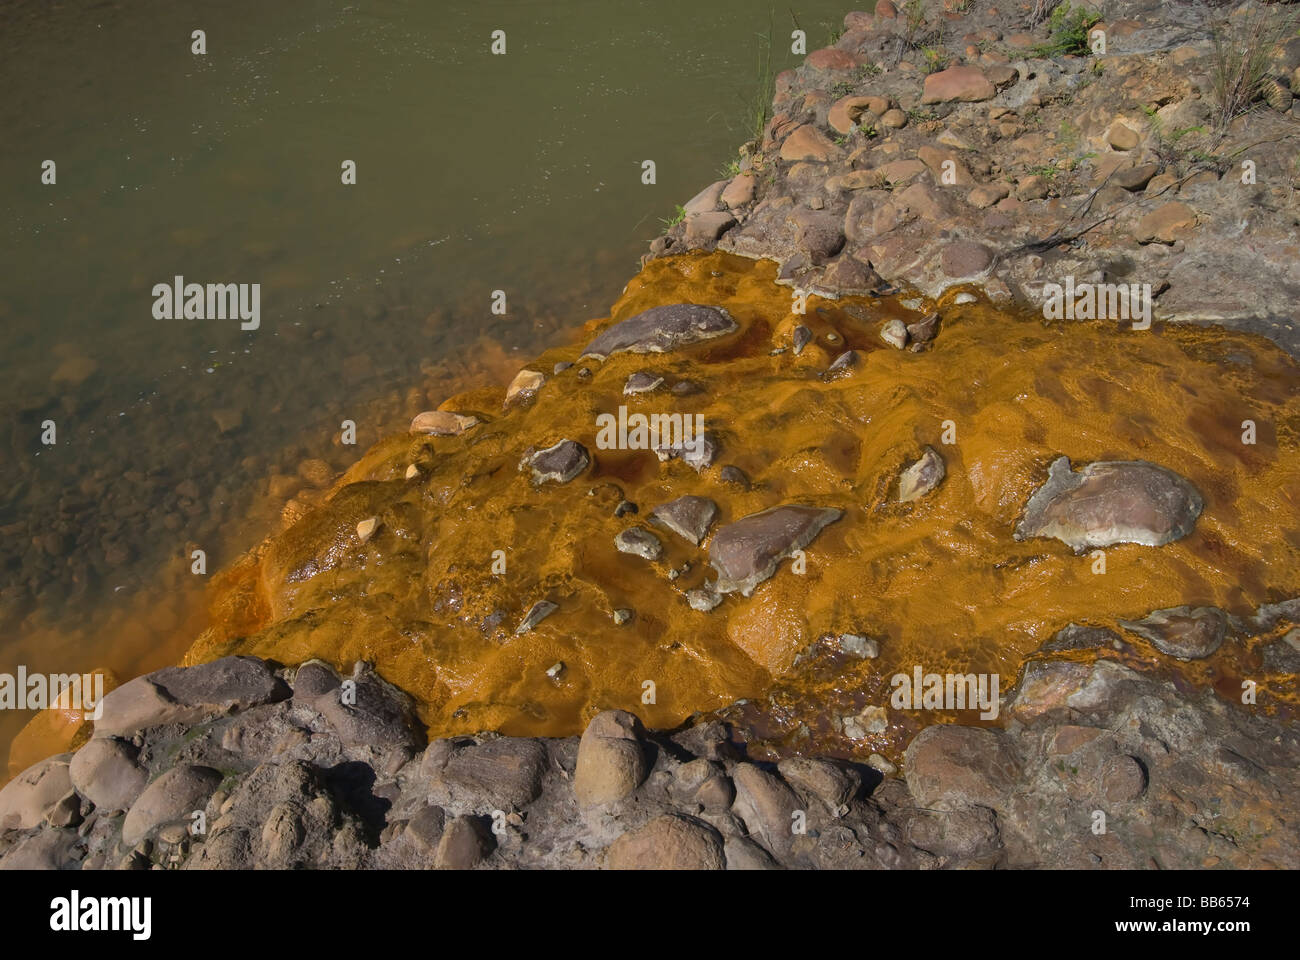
(923, 330)
(921, 477)
(639, 542)
(735, 476)
(621, 616)
(842, 365)
(538, 612)
(689, 517)
(894, 333)
(857, 645)
(747, 552)
(442, 423)
(802, 337)
(366, 528)
(524, 385)
(1185, 633)
(642, 382)
(661, 329)
(559, 463)
(1108, 502)
(703, 599)
(697, 453)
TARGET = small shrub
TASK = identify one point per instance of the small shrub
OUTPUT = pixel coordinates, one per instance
(1069, 28)
(1243, 47)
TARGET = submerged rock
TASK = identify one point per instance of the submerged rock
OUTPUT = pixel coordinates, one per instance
(661, 329)
(842, 365)
(703, 599)
(639, 542)
(1109, 502)
(923, 330)
(442, 423)
(1186, 633)
(688, 517)
(747, 552)
(697, 453)
(921, 477)
(538, 612)
(557, 464)
(642, 382)
(734, 475)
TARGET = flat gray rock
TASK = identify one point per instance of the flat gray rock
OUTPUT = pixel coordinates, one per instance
(557, 464)
(689, 517)
(187, 694)
(503, 774)
(1109, 502)
(369, 711)
(661, 329)
(231, 682)
(1185, 633)
(747, 552)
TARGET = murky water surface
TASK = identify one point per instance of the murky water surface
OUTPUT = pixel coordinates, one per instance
(475, 173)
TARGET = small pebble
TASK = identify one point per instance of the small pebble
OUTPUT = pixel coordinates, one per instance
(622, 615)
(366, 528)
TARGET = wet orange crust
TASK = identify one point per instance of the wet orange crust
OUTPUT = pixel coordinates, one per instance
(939, 581)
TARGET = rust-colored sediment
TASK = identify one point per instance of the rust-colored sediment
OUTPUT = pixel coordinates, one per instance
(940, 581)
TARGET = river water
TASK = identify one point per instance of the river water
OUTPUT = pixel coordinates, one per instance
(475, 173)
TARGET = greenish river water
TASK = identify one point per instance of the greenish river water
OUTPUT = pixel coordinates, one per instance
(474, 173)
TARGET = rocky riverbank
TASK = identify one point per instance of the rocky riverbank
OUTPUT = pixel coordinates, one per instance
(236, 764)
(830, 460)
